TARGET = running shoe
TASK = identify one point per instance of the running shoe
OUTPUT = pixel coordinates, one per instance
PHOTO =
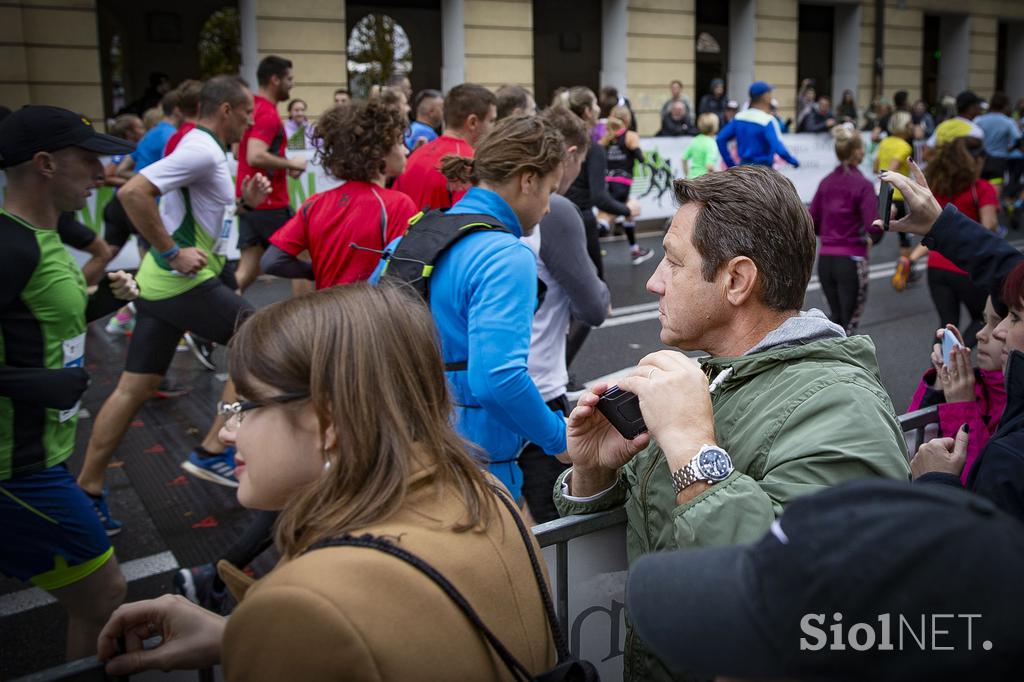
(202, 349)
(641, 255)
(899, 280)
(122, 323)
(219, 469)
(166, 389)
(197, 585)
(99, 505)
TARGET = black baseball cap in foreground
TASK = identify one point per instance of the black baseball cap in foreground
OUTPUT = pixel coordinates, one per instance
(34, 128)
(867, 581)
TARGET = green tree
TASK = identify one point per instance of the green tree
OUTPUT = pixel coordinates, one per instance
(378, 48)
(220, 44)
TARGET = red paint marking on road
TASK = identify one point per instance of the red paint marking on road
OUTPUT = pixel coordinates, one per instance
(138, 422)
(155, 450)
(179, 481)
(208, 522)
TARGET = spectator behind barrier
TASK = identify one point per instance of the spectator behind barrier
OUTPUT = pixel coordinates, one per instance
(785, 405)
(995, 266)
(820, 119)
(868, 581)
(345, 428)
(963, 394)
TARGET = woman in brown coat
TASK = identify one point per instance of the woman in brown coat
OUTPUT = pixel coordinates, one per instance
(345, 427)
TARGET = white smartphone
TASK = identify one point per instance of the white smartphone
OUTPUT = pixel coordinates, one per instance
(949, 342)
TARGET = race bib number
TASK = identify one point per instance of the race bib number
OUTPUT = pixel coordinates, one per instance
(220, 247)
(74, 356)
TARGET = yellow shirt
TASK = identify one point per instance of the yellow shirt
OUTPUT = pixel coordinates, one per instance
(894, 148)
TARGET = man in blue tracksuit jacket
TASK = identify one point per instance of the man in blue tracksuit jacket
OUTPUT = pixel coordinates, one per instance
(483, 293)
(755, 131)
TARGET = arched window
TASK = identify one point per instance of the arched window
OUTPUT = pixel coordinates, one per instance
(220, 44)
(707, 43)
(378, 48)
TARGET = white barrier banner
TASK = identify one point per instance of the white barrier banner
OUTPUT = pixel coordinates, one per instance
(652, 185)
(663, 163)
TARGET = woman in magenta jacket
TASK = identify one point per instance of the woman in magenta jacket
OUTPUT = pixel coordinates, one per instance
(975, 396)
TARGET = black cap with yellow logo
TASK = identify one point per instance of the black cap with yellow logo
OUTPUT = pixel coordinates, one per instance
(33, 129)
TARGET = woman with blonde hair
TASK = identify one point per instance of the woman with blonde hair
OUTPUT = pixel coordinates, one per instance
(843, 210)
(622, 148)
(344, 426)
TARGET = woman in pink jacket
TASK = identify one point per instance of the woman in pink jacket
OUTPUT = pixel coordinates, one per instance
(968, 395)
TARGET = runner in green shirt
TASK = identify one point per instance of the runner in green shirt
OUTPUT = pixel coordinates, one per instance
(49, 533)
(702, 155)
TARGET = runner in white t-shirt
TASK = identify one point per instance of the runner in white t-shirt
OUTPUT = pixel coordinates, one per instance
(181, 278)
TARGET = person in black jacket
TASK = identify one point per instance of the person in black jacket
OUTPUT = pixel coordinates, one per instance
(996, 266)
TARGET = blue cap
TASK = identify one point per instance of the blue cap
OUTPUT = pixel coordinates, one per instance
(758, 88)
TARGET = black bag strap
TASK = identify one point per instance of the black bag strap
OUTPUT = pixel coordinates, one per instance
(430, 235)
(561, 646)
(517, 669)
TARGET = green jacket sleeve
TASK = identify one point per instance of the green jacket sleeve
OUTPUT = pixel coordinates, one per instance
(840, 433)
(613, 498)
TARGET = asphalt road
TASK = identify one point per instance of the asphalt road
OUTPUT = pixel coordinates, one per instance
(173, 521)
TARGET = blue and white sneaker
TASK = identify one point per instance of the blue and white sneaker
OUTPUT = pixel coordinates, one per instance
(99, 505)
(197, 585)
(219, 469)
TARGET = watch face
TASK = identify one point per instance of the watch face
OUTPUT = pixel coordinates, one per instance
(715, 464)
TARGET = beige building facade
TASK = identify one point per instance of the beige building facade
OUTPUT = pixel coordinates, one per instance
(59, 51)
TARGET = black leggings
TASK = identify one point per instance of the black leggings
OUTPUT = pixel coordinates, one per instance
(540, 471)
(578, 331)
(949, 291)
(844, 281)
(251, 543)
(620, 192)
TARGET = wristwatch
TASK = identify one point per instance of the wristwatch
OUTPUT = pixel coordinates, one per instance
(711, 464)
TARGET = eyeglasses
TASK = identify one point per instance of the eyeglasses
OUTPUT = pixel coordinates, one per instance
(237, 409)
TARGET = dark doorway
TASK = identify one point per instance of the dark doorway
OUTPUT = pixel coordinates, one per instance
(814, 46)
(566, 46)
(930, 58)
(421, 22)
(712, 45)
(139, 38)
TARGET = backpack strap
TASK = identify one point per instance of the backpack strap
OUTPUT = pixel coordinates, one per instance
(517, 669)
(426, 240)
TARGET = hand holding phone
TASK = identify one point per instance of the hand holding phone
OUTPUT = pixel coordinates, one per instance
(885, 204)
(622, 409)
(949, 342)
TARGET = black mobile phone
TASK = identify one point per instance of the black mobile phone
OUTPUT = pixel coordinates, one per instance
(622, 409)
(885, 204)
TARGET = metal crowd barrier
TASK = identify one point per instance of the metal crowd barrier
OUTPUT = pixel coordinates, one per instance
(587, 563)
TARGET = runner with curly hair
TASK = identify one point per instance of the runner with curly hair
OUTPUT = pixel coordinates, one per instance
(360, 143)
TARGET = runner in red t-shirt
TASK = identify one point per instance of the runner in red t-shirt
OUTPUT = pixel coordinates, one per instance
(954, 176)
(262, 149)
(188, 102)
(361, 212)
(469, 114)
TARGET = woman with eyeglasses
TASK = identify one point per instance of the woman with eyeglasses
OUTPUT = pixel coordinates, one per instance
(343, 424)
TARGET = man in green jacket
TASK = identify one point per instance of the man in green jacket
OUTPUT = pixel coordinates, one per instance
(785, 405)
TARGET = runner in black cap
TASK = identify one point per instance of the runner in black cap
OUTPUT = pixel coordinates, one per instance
(48, 530)
(878, 581)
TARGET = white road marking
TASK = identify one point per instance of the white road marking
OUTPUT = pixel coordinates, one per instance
(136, 569)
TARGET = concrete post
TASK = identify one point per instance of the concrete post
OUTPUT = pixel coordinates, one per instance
(453, 41)
(845, 52)
(614, 22)
(250, 54)
(742, 29)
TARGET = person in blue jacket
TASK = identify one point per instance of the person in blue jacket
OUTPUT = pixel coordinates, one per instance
(483, 293)
(756, 132)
